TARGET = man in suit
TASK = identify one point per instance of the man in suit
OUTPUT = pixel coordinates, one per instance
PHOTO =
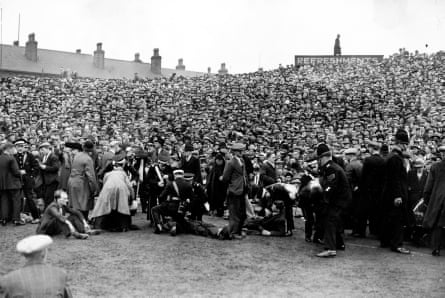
(10, 186)
(49, 169)
(268, 173)
(175, 194)
(191, 164)
(395, 195)
(36, 278)
(235, 176)
(337, 196)
(29, 168)
(372, 184)
(58, 218)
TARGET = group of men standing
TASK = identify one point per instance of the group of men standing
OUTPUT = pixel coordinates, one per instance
(384, 191)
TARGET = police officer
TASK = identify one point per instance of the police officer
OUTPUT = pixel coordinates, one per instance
(29, 168)
(196, 207)
(337, 195)
(172, 198)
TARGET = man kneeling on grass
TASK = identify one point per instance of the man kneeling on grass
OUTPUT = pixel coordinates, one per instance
(58, 218)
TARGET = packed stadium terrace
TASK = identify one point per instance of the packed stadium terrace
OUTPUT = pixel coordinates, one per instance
(288, 110)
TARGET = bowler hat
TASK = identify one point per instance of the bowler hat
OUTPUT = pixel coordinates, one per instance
(73, 145)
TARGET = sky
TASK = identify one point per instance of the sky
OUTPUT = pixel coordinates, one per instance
(244, 34)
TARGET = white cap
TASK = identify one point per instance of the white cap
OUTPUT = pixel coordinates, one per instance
(178, 173)
(33, 244)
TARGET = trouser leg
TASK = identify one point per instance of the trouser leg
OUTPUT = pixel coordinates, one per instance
(156, 214)
(16, 200)
(436, 238)
(396, 229)
(333, 229)
(152, 202)
(4, 204)
(234, 205)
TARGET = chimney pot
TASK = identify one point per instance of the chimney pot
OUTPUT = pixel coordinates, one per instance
(31, 48)
(78, 51)
(156, 62)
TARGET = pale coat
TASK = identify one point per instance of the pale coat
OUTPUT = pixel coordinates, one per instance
(115, 194)
(82, 183)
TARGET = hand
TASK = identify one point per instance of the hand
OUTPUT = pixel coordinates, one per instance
(23, 172)
(42, 166)
(397, 202)
(161, 184)
(220, 178)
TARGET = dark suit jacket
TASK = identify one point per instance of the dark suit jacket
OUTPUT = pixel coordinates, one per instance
(337, 192)
(396, 181)
(35, 280)
(268, 174)
(51, 173)
(373, 175)
(192, 166)
(235, 175)
(185, 190)
(416, 187)
(10, 177)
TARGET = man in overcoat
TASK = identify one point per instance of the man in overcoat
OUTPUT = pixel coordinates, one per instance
(395, 196)
(82, 184)
(434, 196)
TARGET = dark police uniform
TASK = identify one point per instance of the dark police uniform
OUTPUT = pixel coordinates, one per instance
(337, 196)
(170, 200)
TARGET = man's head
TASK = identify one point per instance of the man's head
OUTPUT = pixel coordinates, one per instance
(237, 149)
(270, 156)
(323, 154)
(44, 148)
(188, 149)
(9, 149)
(402, 139)
(61, 197)
(20, 145)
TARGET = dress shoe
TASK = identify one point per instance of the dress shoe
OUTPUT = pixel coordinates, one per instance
(4, 222)
(436, 253)
(35, 221)
(158, 229)
(401, 250)
(173, 231)
(327, 254)
(237, 237)
(19, 223)
(308, 239)
(78, 235)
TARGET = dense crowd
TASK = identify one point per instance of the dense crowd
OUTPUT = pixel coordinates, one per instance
(150, 129)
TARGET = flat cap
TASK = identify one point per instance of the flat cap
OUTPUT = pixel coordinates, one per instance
(33, 244)
(45, 145)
